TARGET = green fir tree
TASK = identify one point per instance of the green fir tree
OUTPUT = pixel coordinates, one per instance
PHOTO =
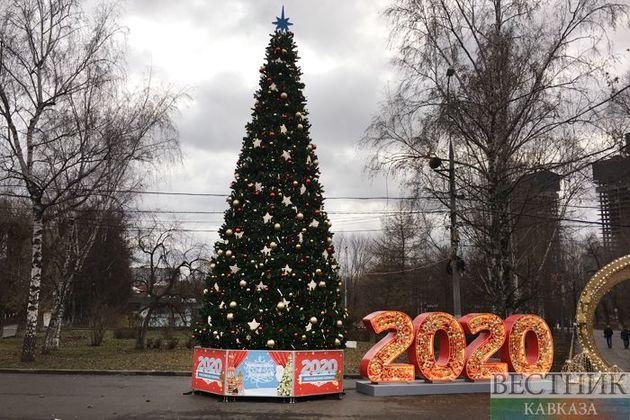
(274, 281)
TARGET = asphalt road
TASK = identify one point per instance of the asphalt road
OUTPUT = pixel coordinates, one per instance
(44, 396)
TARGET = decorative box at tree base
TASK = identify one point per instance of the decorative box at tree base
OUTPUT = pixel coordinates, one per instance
(267, 373)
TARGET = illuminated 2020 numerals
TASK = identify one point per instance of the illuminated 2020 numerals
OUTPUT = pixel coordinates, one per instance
(524, 343)
(452, 340)
(377, 364)
(529, 346)
(491, 337)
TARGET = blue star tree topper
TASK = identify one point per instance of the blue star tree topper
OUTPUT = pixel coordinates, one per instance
(282, 23)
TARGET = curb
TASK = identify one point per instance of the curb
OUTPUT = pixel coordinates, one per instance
(113, 372)
(98, 372)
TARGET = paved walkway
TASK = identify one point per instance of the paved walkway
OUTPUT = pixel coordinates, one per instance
(617, 355)
(42, 396)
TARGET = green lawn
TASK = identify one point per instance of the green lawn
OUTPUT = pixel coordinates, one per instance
(119, 354)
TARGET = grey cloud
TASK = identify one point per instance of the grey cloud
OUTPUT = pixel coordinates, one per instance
(221, 109)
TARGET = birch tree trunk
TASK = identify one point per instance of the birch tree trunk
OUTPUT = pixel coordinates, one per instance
(53, 332)
(32, 309)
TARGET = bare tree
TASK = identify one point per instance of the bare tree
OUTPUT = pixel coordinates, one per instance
(355, 255)
(67, 123)
(168, 263)
(519, 87)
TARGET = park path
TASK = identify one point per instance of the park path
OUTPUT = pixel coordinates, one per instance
(47, 396)
(617, 355)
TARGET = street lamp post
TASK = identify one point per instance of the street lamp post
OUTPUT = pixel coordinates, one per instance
(435, 164)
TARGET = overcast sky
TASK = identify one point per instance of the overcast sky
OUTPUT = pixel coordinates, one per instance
(214, 49)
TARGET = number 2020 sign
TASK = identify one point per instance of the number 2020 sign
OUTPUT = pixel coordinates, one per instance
(523, 342)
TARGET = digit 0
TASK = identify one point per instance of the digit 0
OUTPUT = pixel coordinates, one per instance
(528, 348)
(490, 339)
(377, 364)
(452, 340)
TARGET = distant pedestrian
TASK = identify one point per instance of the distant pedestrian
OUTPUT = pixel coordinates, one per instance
(625, 336)
(608, 333)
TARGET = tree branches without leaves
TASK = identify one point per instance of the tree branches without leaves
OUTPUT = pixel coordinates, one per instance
(69, 129)
(530, 94)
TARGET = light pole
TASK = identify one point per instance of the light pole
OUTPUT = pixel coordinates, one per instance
(435, 164)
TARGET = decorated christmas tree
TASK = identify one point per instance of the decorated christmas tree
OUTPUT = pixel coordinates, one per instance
(273, 280)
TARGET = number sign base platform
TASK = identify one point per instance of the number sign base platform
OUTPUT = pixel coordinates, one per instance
(422, 388)
(266, 373)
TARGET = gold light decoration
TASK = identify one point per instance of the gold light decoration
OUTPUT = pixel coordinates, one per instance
(490, 339)
(601, 283)
(450, 361)
(529, 345)
(377, 364)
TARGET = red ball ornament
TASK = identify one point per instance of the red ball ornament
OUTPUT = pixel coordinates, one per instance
(269, 79)
(272, 134)
(290, 162)
(272, 194)
(308, 181)
(314, 146)
(317, 212)
(237, 230)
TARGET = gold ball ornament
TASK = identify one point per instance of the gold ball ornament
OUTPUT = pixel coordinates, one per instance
(280, 305)
(215, 332)
(337, 342)
(318, 271)
(313, 320)
(273, 245)
(242, 283)
(300, 127)
(233, 304)
(235, 203)
(213, 265)
(284, 95)
(298, 246)
(220, 252)
(271, 344)
(322, 284)
(230, 316)
(228, 253)
(277, 226)
(300, 216)
(229, 232)
(339, 323)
